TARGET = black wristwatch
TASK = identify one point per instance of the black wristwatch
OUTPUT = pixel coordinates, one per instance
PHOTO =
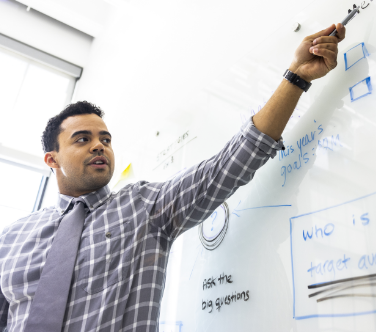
(296, 80)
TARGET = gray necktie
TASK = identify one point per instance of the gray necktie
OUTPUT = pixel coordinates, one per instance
(50, 300)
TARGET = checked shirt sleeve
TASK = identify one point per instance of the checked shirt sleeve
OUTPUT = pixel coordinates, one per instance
(4, 304)
(189, 198)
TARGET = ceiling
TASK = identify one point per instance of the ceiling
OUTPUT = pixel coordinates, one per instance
(88, 16)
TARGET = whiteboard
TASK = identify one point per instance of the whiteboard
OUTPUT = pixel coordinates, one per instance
(299, 252)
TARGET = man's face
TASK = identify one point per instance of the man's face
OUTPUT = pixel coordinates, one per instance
(85, 157)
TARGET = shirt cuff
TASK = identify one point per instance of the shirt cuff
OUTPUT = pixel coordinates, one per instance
(262, 141)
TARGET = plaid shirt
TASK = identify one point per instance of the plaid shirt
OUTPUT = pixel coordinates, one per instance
(121, 263)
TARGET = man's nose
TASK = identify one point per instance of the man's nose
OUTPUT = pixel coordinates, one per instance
(97, 147)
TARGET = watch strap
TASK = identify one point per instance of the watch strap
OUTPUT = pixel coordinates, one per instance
(296, 80)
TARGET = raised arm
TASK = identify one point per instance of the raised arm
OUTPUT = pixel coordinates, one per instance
(314, 58)
(190, 197)
(181, 203)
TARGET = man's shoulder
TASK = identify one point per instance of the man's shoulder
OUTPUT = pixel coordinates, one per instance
(140, 188)
(133, 188)
(39, 215)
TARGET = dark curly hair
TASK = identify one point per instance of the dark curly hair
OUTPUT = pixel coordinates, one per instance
(53, 129)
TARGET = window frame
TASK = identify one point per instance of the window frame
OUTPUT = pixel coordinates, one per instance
(22, 159)
(45, 175)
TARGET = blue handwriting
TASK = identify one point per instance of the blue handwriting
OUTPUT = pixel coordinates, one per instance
(328, 230)
(329, 266)
(367, 258)
(303, 157)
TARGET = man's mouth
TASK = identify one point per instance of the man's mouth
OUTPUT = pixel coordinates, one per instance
(98, 162)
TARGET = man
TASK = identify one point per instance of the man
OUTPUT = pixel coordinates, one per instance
(105, 271)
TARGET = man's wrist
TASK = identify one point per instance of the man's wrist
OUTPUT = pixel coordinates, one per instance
(295, 70)
(297, 80)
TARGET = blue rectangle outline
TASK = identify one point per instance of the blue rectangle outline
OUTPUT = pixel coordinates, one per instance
(177, 323)
(369, 86)
(365, 53)
(292, 266)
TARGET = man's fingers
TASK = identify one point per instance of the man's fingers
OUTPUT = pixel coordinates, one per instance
(341, 32)
(329, 46)
(329, 55)
(325, 32)
(321, 40)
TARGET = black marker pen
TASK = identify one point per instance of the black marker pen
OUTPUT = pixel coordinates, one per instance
(347, 19)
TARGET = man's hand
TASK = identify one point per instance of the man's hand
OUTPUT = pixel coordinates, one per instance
(317, 54)
(314, 58)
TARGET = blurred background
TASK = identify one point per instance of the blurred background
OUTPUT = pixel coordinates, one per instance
(143, 62)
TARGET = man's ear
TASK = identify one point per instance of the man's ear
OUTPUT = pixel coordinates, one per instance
(50, 160)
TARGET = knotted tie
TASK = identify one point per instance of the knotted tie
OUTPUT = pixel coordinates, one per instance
(50, 300)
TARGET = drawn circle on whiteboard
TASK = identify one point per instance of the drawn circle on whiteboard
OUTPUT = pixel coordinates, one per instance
(213, 230)
(213, 226)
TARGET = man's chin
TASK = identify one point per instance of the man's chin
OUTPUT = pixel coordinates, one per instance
(98, 181)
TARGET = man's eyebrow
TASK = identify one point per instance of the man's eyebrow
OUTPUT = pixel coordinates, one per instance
(81, 132)
(103, 132)
(88, 132)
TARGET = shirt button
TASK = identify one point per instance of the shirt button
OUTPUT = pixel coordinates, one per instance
(62, 211)
(108, 235)
(91, 206)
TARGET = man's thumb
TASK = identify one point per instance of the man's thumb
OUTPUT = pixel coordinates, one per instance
(325, 32)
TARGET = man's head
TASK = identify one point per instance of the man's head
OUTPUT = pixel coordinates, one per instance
(77, 145)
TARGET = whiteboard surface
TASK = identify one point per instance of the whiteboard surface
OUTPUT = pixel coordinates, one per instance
(309, 215)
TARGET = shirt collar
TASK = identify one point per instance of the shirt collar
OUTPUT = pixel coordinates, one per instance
(92, 200)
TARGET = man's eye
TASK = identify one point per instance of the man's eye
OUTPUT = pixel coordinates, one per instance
(107, 140)
(82, 139)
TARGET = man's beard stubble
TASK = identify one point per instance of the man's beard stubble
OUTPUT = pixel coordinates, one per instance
(85, 182)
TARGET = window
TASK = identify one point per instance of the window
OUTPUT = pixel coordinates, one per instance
(31, 93)
(19, 192)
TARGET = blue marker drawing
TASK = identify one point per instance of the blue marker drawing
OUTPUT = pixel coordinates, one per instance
(177, 326)
(354, 55)
(361, 89)
(322, 246)
(236, 211)
(214, 216)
